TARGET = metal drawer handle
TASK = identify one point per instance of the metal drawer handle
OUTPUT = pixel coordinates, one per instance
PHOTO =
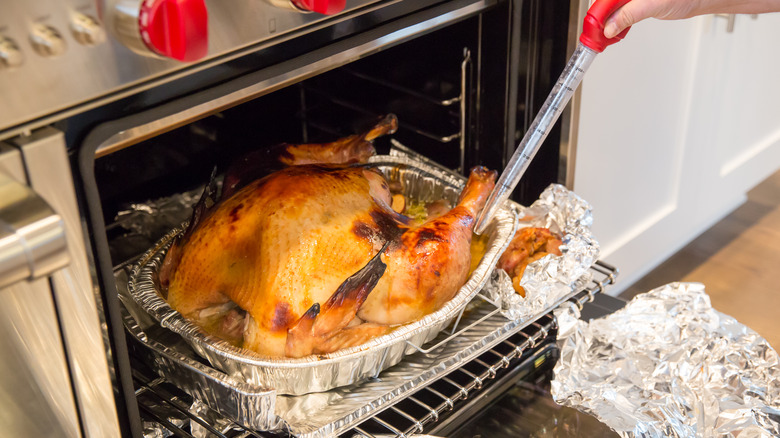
(32, 235)
(731, 19)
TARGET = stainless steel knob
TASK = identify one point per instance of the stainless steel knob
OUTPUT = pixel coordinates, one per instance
(47, 41)
(10, 55)
(122, 21)
(86, 29)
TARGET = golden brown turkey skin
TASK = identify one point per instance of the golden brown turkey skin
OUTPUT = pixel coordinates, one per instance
(275, 248)
(282, 246)
(429, 263)
(353, 149)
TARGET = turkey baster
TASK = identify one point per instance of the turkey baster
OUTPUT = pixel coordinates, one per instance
(592, 41)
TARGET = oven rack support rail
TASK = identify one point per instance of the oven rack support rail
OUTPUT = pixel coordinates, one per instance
(164, 406)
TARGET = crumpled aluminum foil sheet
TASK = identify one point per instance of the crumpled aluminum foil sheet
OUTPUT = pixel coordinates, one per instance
(548, 280)
(141, 224)
(348, 366)
(153, 429)
(668, 364)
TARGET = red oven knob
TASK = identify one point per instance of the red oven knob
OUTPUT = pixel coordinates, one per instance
(327, 7)
(176, 29)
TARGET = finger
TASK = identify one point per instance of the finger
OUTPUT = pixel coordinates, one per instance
(628, 15)
(618, 21)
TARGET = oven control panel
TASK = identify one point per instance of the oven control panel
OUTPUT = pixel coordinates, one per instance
(57, 54)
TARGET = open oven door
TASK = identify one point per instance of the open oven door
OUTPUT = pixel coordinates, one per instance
(56, 376)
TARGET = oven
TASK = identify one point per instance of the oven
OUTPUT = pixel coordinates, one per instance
(109, 104)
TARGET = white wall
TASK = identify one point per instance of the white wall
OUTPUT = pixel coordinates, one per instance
(677, 123)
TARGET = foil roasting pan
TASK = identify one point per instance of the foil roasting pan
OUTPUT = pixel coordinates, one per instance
(335, 411)
(418, 181)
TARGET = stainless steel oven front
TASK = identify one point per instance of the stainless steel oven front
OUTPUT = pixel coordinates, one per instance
(111, 103)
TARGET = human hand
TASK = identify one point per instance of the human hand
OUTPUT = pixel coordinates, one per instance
(638, 10)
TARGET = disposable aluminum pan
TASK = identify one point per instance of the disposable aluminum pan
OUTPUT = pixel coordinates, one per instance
(164, 351)
(319, 373)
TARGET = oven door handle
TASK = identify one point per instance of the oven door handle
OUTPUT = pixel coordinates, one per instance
(32, 235)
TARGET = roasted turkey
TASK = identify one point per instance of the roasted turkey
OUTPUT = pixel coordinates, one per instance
(317, 258)
(528, 245)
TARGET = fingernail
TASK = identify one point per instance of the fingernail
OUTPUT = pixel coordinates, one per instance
(610, 29)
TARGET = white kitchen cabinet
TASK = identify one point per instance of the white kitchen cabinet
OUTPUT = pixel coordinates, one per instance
(677, 123)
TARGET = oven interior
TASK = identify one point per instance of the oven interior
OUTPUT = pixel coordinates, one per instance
(433, 121)
(463, 95)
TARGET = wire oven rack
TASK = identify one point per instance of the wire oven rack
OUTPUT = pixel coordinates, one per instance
(451, 106)
(166, 410)
(413, 414)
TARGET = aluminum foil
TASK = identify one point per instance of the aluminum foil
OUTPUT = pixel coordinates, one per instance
(348, 366)
(141, 224)
(551, 278)
(668, 364)
(153, 429)
(228, 396)
(315, 415)
(318, 414)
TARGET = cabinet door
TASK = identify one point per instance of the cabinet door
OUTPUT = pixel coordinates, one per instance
(677, 123)
(735, 129)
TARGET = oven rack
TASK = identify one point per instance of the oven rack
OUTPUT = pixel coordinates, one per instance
(454, 104)
(167, 410)
(475, 375)
(412, 415)
(443, 101)
(361, 109)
